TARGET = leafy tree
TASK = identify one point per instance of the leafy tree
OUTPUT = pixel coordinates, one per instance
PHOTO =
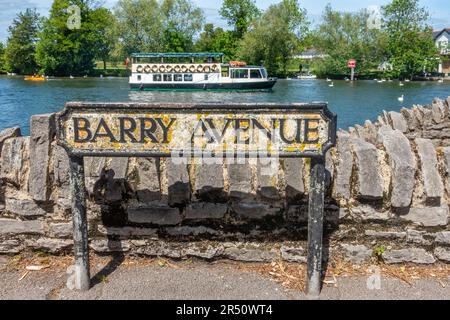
(343, 36)
(216, 40)
(410, 41)
(70, 50)
(239, 15)
(21, 46)
(105, 35)
(275, 37)
(181, 21)
(2, 58)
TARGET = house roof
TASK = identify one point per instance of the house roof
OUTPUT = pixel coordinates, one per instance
(437, 33)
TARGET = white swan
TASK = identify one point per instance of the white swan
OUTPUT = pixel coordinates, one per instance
(402, 84)
(402, 98)
(328, 80)
(331, 84)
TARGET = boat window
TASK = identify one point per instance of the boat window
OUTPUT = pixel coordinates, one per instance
(188, 77)
(264, 73)
(206, 77)
(157, 77)
(255, 74)
(178, 77)
(139, 78)
(167, 77)
(239, 73)
(225, 72)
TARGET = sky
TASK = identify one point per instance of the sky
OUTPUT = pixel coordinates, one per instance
(439, 9)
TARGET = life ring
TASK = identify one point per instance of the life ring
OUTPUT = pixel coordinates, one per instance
(207, 69)
(214, 68)
(192, 68)
(169, 68)
(200, 68)
(155, 68)
(184, 68)
(162, 69)
(177, 68)
(139, 69)
(147, 69)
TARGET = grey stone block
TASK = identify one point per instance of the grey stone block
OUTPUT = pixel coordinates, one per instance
(94, 166)
(293, 254)
(428, 217)
(14, 161)
(443, 237)
(12, 246)
(50, 245)
(159, 214)
(267, 175)
(24, 207)
(446, 154)
(42, 132)
(356, 253)
(416, 237)
(344, 167)
(186, 231)
(442, 254)
(240, 176)
(248, 254)
(391, 235)
(201, 251)
(7, 134)
(403, 166)
(209, 177)
(13, 227)
(179, 185)
(120, 166)
(433, 186)
(293, 169)
(127, 232)
(204, 210)
(369, 184)
(368, 213)
(254, 210)
(61, 166)
(398, 121)
(412, 255)
(61, 230)
(109, 246)
(147, 186)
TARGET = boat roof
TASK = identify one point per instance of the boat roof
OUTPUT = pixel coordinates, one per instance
(178, 55)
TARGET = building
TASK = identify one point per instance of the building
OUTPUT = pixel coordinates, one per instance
(310, 54)
(442, 41)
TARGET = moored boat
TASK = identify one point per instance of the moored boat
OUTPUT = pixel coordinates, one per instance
(35, 78)
(195, 71)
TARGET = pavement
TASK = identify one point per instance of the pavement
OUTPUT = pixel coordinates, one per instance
(199, 281)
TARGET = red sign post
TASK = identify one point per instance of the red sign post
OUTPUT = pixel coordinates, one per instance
(352, 65)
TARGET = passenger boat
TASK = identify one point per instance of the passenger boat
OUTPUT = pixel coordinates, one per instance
(195, 71)
(35, 78)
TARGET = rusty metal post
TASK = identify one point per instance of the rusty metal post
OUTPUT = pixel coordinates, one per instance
(80, 225)
(315, 227)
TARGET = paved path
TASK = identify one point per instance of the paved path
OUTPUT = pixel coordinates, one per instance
(202, 281)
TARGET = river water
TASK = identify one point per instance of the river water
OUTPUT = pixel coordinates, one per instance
(353, 102)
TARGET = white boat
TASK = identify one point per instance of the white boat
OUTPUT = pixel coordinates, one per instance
(307, 77)
(195, 71)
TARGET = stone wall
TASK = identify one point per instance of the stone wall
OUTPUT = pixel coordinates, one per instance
(388, 192)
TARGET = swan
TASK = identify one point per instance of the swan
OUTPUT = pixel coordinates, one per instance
(72, 77)
(402, 84)
(441, 80)
(328, 80)
(331, 84)
(402, 98)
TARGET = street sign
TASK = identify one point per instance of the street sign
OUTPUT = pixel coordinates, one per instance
(197, 130)
(351, 63)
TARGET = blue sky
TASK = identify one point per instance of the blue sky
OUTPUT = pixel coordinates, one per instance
(439, 9)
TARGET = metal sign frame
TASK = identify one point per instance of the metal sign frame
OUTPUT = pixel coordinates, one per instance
(78, 188)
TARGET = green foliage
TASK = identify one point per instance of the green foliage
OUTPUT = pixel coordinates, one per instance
(216, 40)
(21, 46)
(239, 14)
(343, 36)
(379, 251)
(410, 43)
(275, 37)
(2, 58)
(63, 51)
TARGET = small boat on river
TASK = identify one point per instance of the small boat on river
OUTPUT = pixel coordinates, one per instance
(195, 71)
(35, 78)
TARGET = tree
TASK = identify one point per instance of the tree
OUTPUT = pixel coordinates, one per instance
(2, 58)
(216, 40)
(21, 46)
(239, 15)
(70, 49)
(343, 36)
(410, 42)
(275, 36)
(105, 35)
(181, 21)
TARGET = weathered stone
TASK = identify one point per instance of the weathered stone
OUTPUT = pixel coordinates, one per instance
(61, 230)
(147, 186)
(428, 217)
(240, 177)
(398, 121)
(254, 210)
(50, 245)
(10, 247)
(178, 180)
(356, 253)
(127, 232)
(204, 210)
(14, 162)
(433, 186)
(24, 207)
(61, 166)
(108, 246)
(403, 166)
(367, 213)
(443, 237)
(413, 255)
(442, 254)
(186, 231)
(369, 184)
(344, 166)
(8, 134)
(411, 120)
(446, 154)
(94, 166)
(10, 226)
(267, 172)
(201, 251)
(119, 166)
(293, 254)
(42, 131)
(248, 254)
(161, 249)
(391, 235)
(437, 110)
(416, 237)
(293, 169)
(370, 132)
(159, 214)
(209, 177)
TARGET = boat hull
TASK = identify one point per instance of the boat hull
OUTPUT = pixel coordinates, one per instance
(245, 86)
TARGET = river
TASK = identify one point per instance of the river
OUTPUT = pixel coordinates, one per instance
(353, 102)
